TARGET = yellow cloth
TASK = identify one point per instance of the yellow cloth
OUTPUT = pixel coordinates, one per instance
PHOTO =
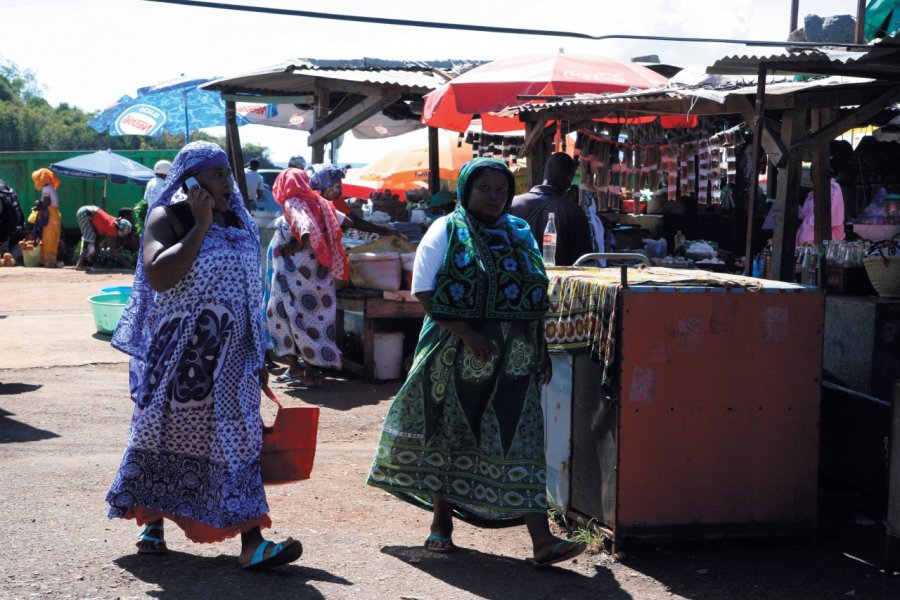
(43, 177)
(50, 238)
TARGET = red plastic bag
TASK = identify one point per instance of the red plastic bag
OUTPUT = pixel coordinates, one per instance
(289, 444)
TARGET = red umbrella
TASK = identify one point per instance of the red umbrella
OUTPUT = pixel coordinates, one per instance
(497, 85)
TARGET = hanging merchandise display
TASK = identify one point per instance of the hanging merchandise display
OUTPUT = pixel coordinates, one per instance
(703, 166)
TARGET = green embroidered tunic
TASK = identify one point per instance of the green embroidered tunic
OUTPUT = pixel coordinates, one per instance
(468, 431)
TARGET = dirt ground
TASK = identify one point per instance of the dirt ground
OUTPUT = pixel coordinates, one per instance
(63, 417)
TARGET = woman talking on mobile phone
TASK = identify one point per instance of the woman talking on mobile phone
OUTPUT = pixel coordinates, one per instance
(193, 329)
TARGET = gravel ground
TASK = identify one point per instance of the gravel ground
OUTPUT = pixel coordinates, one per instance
(63, 418)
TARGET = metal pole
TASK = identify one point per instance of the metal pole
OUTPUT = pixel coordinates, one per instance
(755, 153)
(860, 33)
(795, 8)
(187, 124)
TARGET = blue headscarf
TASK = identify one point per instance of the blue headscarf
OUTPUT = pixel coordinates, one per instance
(326, 175)
(131, 336)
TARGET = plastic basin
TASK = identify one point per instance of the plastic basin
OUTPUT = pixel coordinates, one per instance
(107, 309)
(32, 258)
(116, 289)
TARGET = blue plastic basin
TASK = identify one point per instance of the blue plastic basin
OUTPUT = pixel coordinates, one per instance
(116, 289)
(107, 309)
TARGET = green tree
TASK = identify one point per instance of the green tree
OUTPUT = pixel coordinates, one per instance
(23, 81)
(28, 122)
(260, 153)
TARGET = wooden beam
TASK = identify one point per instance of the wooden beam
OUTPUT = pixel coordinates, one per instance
(346, 121)
(787, 202)
(233, 149)
(755, 153)
(825, 134)
(320, 113)
(304, 99)
(535, 151)
(534, 130)
(821, 171)
(775, 149)
(434, 161)
(828, 98)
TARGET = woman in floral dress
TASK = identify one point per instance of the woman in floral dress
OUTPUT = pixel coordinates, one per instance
(193, 329)
(307, 257)
(464, 436)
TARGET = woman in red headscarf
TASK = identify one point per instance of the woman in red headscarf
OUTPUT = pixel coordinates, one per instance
(46, 182)
(307, 257)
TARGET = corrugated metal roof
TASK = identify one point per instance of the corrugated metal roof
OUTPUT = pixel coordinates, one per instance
(678, 97)
(881, 61)
(300, 76)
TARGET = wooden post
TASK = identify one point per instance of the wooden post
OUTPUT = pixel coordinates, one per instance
(755, 153)
(434, 160)
(536, 152)
(787, 200)
(821, 171)
(233, 149)
(320, 112)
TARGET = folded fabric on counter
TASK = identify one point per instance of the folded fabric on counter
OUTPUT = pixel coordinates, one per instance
(583, 303)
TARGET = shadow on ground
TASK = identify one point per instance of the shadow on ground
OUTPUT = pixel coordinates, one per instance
(10, 389)
(183, 575)
(831, 566)
(12, 431)
(340, 392)
(500, 577)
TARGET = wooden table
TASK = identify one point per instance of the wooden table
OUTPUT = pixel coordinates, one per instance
(374, 305)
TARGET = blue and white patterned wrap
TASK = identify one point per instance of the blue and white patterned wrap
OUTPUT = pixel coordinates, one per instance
(196, 431)
(132, 335)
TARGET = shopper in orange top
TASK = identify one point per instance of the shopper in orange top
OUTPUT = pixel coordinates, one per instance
(46, 182)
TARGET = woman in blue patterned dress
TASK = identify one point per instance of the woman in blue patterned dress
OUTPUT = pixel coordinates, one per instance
(193, 329)
(464, 436)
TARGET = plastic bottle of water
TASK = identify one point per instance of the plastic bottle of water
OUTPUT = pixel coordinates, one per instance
(550, 241)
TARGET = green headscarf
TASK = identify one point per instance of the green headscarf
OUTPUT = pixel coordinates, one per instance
(476, 164)
(490, 270)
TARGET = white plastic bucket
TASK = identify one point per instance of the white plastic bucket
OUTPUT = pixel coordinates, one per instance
(388, 355)
(376, 271)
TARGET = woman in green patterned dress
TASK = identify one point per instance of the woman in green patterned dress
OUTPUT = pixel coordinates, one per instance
(464, 437)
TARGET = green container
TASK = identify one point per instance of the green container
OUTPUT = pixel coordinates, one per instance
(108, 309)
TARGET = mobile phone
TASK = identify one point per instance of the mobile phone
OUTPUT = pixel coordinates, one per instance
(191, 183)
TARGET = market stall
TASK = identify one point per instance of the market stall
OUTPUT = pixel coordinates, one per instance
(633, 451)
(683, 403)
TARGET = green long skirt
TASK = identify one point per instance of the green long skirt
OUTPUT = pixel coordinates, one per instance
(467, 431)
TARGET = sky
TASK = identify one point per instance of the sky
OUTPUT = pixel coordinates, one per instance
(88, 53)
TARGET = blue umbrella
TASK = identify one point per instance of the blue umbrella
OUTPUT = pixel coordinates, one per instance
(177, 107)
(104, 165)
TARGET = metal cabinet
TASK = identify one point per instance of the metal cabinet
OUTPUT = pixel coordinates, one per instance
(711, 427)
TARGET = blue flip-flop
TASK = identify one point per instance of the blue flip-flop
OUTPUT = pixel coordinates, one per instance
(282, 554)
(447, 544)
(288, 378)
(560, 553)
(158, 544)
